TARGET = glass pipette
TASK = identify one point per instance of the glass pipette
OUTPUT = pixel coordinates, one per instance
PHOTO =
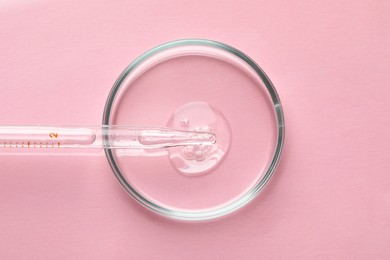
(103, 137)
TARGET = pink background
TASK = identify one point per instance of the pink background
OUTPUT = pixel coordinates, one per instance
(329, 62)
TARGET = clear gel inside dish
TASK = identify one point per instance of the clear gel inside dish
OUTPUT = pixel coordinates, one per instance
(193, 160)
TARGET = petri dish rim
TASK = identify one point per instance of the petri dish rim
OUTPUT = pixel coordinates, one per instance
(247, 197)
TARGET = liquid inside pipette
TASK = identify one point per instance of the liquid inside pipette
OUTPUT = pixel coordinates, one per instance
(105, 136)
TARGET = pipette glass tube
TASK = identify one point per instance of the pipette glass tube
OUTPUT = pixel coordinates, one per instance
(103, 137)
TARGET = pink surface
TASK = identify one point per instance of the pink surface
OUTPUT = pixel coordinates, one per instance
(329, 62)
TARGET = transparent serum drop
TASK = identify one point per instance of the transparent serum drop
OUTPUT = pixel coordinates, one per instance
(193, 160)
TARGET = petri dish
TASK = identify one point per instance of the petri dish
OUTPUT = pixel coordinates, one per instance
(197, 85)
